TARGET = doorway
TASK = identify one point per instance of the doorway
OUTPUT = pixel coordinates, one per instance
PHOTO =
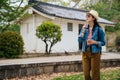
(79, 30)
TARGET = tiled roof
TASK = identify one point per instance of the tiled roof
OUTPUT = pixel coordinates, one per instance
(63, 12)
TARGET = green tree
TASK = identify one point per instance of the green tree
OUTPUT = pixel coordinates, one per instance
(50, 34)
(59, 2)
(14, 27)
(9, 12)
(109, 10)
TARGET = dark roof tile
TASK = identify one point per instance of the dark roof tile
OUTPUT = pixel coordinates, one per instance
(63, 12)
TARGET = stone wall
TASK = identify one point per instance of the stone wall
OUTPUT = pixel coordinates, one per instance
(12, 71)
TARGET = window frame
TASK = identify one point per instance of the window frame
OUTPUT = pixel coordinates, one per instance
(69, 26)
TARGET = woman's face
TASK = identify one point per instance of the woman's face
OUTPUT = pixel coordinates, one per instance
(89, 18)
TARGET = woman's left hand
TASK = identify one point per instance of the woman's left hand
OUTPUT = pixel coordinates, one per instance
(91, 41)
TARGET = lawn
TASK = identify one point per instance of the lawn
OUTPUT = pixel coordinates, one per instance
(110, 74)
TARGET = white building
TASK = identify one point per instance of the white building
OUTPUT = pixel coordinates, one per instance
(70, 20)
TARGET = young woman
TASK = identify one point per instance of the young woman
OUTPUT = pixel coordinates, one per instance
(92, 37)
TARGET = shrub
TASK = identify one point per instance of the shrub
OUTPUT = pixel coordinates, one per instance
(117, 43)
(113, 29)
(11, 44)
(14, 27)
(117, 26)
(109, 29)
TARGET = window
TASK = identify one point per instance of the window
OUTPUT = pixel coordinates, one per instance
(70, 27)
(79, 27)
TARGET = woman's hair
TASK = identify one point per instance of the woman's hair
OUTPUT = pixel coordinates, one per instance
(96, 23)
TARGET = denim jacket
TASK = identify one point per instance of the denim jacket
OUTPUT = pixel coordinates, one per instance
(97, 35)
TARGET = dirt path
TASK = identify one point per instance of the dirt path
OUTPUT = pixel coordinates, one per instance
(53, 75)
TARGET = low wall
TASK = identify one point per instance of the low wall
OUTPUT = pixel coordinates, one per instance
(40, 68)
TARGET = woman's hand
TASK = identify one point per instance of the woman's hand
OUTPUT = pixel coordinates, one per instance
(84, 26)
(83, 30)
(91, 41)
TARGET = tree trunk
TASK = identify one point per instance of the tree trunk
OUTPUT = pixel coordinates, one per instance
(77, 3)
(50, 48)
(111, 2)
(46, 47)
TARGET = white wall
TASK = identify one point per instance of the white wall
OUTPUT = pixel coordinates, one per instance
(27, 32)
(33, 44)
(69, 38)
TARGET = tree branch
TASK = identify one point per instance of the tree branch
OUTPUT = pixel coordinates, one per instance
(76, 4)
(19, 5)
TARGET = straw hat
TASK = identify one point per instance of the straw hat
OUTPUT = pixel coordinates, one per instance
(94, 13)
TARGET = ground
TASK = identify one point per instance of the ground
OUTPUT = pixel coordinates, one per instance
(53, 59)
(54, 75)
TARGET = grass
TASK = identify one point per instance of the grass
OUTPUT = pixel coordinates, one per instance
(111, 74)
